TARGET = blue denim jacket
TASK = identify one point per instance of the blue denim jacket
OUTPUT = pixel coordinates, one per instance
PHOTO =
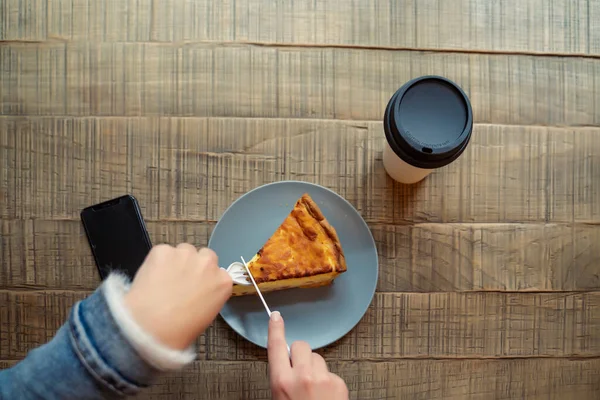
(89, 358)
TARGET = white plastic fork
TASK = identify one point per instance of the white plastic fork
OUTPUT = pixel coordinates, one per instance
(239, 274)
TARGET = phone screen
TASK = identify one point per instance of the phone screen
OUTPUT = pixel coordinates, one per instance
(117, 235)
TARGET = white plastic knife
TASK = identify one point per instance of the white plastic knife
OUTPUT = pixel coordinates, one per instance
(256, 287)
(260, 294)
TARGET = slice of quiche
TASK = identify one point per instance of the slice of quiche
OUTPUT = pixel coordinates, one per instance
(304, 252)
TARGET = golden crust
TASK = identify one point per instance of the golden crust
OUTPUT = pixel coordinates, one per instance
(305, 251)
(303, 283)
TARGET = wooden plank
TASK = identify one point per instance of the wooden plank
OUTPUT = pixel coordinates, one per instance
(38, 254)
(28, 320)
(514, 257)
(397, 325)
(23, 20)
(55, 254)
(453, 325)
(546, 379)
(194, 168)
(508, 26)
(258, 81)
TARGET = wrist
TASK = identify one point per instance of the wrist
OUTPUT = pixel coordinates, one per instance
(164, 329)
(139, 328)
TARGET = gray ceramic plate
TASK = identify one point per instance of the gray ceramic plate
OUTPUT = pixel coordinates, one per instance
(318, 316)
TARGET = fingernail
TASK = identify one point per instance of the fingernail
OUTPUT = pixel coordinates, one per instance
(275, 316)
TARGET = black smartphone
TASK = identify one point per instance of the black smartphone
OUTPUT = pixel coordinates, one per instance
(117, 235)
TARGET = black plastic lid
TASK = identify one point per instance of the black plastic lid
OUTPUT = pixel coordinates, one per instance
(428, 122)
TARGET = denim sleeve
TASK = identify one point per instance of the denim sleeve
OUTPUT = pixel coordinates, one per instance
(89, 358)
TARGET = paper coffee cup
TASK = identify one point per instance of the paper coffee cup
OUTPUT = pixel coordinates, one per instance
(428, 124)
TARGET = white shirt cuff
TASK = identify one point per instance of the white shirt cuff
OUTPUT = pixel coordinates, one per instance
(153, 352)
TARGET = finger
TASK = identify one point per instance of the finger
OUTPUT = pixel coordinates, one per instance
(341, 389)
(279, 360)
(186, 247)
(319, 365)
(301, 355)
(225, 283)
(208, 254)
(225, 277)
(159, 250)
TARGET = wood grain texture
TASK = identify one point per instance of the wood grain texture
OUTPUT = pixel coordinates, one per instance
(452, 325)
(396, 325)
(543, 379)
(37, 254)
(23, 20)
(490, 273)
(256, 81)
(194, 168)
(466, 25)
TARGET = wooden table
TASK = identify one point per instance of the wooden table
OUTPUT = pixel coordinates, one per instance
(490, 269)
